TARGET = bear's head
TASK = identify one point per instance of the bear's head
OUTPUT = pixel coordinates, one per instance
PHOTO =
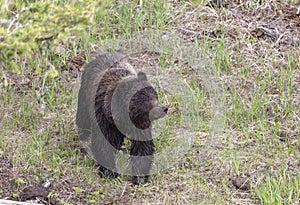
(137, 102)
(144, 106)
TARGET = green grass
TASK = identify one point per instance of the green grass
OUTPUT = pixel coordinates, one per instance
(281, 189)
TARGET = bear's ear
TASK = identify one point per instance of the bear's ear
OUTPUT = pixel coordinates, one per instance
(142, 76)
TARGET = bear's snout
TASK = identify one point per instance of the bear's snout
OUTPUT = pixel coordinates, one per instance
(158, 112)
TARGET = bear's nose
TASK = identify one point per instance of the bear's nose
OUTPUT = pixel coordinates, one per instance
(165, 109)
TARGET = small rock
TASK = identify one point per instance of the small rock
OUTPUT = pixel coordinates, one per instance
(283, 136)
(242, 183)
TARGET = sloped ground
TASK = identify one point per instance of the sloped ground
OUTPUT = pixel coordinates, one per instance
(259, 60)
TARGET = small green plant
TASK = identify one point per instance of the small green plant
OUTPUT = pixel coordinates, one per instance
(1, 192)
(95, 196)
(53, 195)
(222, 56)
(15, 195)
(20, 181)
(77, 190)
(236, 163)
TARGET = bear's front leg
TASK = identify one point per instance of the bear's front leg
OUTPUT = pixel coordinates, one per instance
(141, 160)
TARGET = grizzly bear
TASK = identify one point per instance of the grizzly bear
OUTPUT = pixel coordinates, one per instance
(115, 102)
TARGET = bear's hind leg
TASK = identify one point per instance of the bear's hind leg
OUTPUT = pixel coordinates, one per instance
(141, 160)
(116, 139)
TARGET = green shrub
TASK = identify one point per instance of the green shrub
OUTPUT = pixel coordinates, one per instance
(26, 26)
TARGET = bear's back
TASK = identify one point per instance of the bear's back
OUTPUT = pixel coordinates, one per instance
(97, 66)
(99, 79)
